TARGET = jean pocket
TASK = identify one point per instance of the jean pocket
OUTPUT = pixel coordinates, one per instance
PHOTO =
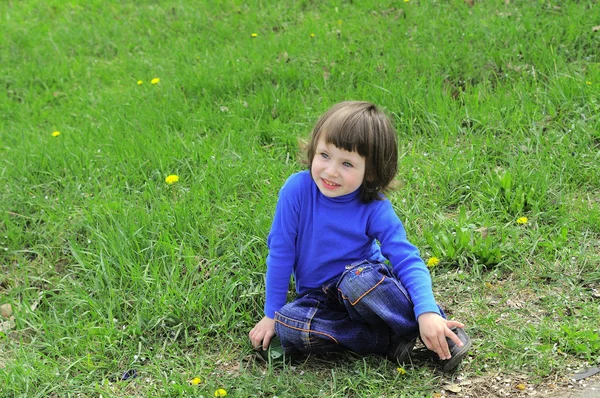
(356, 270)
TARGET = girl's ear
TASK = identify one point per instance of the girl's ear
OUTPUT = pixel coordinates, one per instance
(370, 176)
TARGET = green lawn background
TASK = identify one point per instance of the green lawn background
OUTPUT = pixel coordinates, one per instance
(108, 268)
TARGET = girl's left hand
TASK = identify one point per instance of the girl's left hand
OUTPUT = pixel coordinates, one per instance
(262, 334)
(434, 329)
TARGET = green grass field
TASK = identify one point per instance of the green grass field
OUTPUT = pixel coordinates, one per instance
(108, 268)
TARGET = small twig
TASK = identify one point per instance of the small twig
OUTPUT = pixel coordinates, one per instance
(18, 215)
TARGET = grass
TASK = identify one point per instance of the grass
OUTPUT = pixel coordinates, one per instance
(108, 268)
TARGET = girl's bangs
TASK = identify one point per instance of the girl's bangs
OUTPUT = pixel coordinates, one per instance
(345, 133)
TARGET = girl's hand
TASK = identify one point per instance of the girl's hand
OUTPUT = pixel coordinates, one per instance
(262, 333)
(434, 330)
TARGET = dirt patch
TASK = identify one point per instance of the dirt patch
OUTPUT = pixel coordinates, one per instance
(518, 385)
(3, 359)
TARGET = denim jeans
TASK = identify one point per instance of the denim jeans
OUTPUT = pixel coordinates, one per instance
(358, 312)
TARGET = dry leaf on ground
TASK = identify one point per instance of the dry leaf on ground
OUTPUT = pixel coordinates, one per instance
(6, 310)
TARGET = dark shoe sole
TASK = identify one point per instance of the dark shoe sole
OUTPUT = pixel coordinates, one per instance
(458, 353)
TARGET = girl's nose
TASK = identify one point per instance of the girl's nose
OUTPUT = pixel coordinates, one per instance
(332, 170)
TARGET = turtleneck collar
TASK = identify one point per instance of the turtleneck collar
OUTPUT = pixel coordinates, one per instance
(339, 199)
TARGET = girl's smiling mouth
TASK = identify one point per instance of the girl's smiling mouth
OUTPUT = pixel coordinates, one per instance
(329, 184)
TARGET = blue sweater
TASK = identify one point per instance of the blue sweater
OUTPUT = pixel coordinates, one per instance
(315, 237)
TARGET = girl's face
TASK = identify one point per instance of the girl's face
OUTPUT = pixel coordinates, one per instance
(336, 171)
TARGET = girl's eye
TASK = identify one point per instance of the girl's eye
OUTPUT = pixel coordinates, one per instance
(347, 164)
(324, 155)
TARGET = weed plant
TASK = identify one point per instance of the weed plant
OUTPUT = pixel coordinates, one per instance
(108, 268)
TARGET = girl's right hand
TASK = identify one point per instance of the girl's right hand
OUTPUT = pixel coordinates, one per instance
(434, 330)
(262, 333)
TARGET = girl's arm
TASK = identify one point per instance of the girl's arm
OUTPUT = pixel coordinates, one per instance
(280, 261)
(282, 247)
(405, 259)
(410, 269)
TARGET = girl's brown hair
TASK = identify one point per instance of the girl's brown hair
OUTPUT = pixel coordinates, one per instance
(358, 126)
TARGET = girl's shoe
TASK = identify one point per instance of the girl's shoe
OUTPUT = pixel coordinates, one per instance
(457, 353)
(400, 348)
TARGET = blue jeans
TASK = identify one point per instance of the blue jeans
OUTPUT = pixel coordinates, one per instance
(358, 312)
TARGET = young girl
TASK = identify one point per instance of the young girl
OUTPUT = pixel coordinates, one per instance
(362, 286)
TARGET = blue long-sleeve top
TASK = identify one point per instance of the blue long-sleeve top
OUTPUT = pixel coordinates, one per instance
(315, 237)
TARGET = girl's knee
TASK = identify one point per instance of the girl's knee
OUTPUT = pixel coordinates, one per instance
(289, 331)
(292, 323)
(298, 329)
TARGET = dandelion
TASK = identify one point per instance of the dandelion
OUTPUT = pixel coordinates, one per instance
(588, 83)
(156, 80)
(195, 381)
(406, 1)
(56, 134)
(221, 392)
(521, 386)
(522, 220)
(254, 35)
(139, 82)
(312, 35)
(432, 262)
(401, 371)
(172, 179)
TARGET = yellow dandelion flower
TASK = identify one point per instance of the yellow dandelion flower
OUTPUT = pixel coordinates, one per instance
(406, 1)
(221, 392)
(195, 381)
(312, 35)
(489, 285)
(171, 179)
(522, 220)
(521, 386)
(588, 83)
(139, 82)
(253, 35)
(432, 262)
(401, 371)
(156, 80)
(56, 134)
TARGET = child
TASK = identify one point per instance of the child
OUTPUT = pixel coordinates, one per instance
(336, 232)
